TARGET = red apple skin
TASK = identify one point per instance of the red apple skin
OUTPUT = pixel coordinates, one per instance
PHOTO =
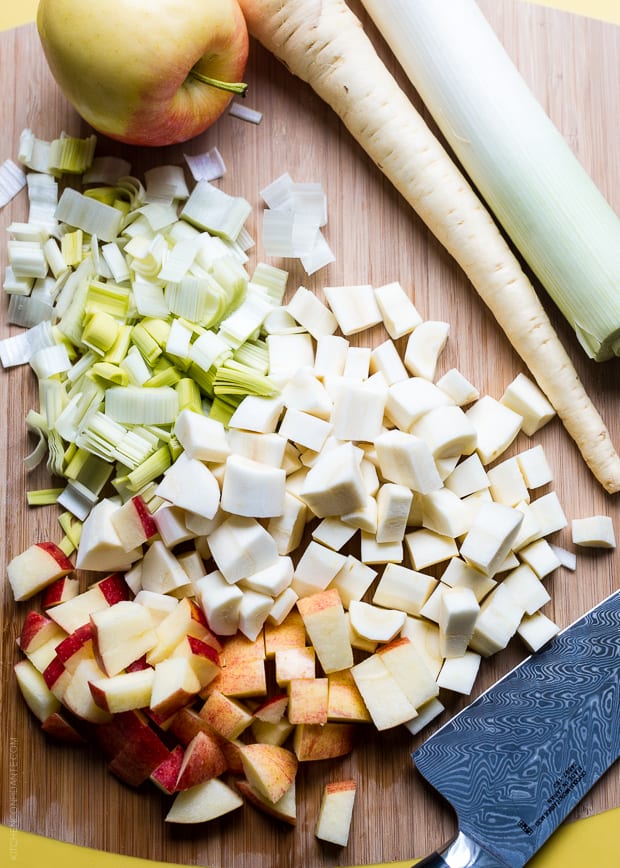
(35, 631)
(114, 588)
(57, 726)
(124, 727)
(138, 759)
(166, 774)
(57, 553)
(60, 591)
(140, 92)
(144, 514)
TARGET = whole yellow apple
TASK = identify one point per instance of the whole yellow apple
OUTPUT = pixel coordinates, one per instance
(146, 72)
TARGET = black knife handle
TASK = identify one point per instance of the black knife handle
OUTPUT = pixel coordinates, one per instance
(462, 852)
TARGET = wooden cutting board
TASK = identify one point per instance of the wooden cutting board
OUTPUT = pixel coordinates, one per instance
(67, 794)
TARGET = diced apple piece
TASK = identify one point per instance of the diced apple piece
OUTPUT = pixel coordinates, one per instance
(75, 647)
(272, 710)
(496, 427)
(374, 622)
(125, 691)
(58, 727)
(284, 809)
(272, 733)
(36, 630)
(63, 589)
(241, 678)
(290, 633)
(225, 715)
(490, 537)
(524, 397)
(76, 612)
(159, 605)
(36, 568)
(141, 752)
(408, 667)
(78, 697)
(122, 633)
(307, 700)
(594, 531)
(424, 636)
(459, 673)
(324, 619)
(37, 695)
(100, 547)
(190, 484)
(344, 702)
(167, 772)
(536, 630)
(202, 657)
(204, 802)
(336, 811)
(174, 685)
(203, 759)
(270, 769)
(386, 702)
(134, 523)
(57, 677)
(313, 742)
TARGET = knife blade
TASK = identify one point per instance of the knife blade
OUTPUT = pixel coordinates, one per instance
(515, 762)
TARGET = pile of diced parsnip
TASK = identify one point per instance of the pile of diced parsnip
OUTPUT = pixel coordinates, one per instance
(339, 549)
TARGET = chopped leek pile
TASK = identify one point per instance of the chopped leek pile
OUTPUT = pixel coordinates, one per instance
(137, 304)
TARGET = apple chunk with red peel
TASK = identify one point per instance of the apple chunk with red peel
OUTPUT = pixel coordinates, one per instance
(166, 774)
(122, 633)
(134, 523)
(124, 691)
(78, 698)
(336, 811)
(326, 624)
(312, 741)
(203, 759)
(284, 809)
(37, 695)
(137, 760)
(36, 568)
(204, 802)
(63, 589)
(77, 611)
(57, 726)
(38, 629)
(175, 684)
(225, 715)
(77, 646)
(269, 768)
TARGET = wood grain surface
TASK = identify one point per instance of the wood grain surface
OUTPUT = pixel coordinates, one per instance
(67, 794)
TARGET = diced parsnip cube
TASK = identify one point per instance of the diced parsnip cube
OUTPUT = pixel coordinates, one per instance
(353, 580)
(334, 485)
(499, 618)
(201, 437)
(526, 588)
(373, 552)
(427, 548)
(408, 668)
(550, 514)
(398, 311)
(375, 622)
(458, 610)
(257, 414)
(468, 477)
(459, 673)
(536, 630)
(595, 531)
(304, 391)
(191, 485)
(358, 642)
(331, 356)
(426, 713)
(393, 505)
(408, 400)
(384, 359)
(507, 483)
(354, 307)
(364, 518)
(267, 448)
(220, 601)
(282, 606)
(567, 559)
(359, 407)
(316, 568)
(447, 431)
(327, 628)
(253, 612)
(288, 527)
(305, 430)
(252, 489)
(424, 636)
(490, 537)
(384, 698)
(424, 346)
(525, 398)
(445, 466)
(357, 364)
(407, 460)
(333, 533)
(541, 557)
(240, 546)
(369, 475)
(431, 610)
(403, 588)
(273, 579)
(445, 513)
(496, 427)
(535, 467)
(459, 574)
(311, 313)
(457, 387)
(283, 348)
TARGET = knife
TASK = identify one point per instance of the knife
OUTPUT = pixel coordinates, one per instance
(515, 762)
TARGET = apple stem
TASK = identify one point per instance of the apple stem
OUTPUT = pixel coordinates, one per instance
(234, 87)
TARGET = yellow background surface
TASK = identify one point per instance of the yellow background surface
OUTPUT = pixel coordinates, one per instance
(583, 843)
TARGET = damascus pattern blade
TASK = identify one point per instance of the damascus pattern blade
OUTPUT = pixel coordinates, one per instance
(516, 761)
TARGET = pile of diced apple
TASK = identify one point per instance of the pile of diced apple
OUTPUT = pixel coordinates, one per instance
(342, 555)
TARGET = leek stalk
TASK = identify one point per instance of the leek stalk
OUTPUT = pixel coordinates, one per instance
(525, 170)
